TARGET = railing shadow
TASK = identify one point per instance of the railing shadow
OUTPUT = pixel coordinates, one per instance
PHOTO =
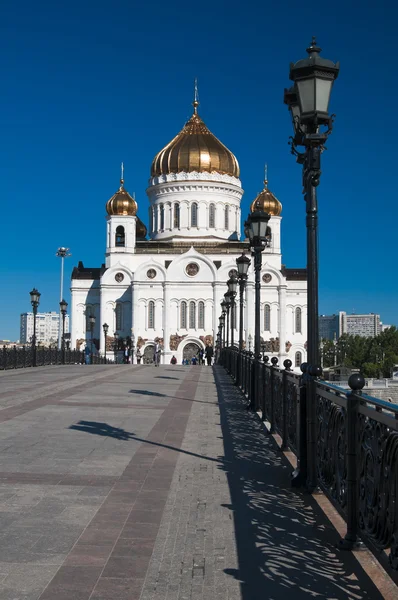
(285, 543)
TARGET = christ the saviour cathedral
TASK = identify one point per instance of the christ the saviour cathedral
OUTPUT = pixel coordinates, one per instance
(167, 289)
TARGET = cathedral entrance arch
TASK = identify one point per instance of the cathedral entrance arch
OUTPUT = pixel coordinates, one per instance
(148, 355)
(191, 349)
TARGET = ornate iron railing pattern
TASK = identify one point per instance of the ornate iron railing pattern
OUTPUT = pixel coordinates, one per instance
(331, 446)
(356, 445)
(21, 357)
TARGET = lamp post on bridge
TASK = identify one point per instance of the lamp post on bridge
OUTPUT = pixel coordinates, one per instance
(256, 231)
(227, 301)
(35, 301)
(232, 287)
(105, 328)
(63, 305)
(62, 253)
(223, 317)
(308, 102)
(242, 263)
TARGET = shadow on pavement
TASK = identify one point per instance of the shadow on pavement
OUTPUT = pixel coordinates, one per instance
(285, 543)
(102, 429)
(147, 393)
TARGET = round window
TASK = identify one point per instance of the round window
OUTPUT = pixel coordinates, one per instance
(192, 269)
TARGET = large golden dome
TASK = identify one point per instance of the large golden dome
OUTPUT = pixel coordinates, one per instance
(267, 202)
(195, 148)
(121, 203)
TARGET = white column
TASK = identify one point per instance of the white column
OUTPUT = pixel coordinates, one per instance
(166, 323)
(218, 295)
(102, 320)
(282, 324)
(134, 316)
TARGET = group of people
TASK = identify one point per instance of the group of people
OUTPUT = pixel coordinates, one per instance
(200, 357)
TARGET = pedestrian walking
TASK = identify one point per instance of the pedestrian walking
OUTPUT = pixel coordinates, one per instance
(209, 354)
(201, 356)
(156, 356)
(138, 356)
(126, 355)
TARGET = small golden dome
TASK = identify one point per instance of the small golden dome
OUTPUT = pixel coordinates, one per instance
(121, 203)
(267, 202)
(195, 148)
(140, 230)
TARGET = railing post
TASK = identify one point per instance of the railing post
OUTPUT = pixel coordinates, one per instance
(15, 357)
(265, 365)
(314, 372)
(23, 356)
(274, 362)
(287, 364)
(356, 383)
(299, 475)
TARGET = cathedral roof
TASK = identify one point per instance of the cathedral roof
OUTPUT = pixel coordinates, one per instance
(195, 149)
(267, 202)
(121, 203)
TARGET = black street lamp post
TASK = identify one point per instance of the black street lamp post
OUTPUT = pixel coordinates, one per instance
(308, 102)
(232, 287)
(92, 323)
(256, 230)
(227, 301)
(35, 301)
(243, 263)
(105, 328)
(63, 305)
(223, 316)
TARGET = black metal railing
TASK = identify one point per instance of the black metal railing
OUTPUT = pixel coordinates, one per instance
(20, 357)
(356, 445)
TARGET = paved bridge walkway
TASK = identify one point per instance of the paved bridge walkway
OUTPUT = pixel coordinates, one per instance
(127, 483)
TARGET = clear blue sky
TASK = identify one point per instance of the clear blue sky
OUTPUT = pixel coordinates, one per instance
(86, 85)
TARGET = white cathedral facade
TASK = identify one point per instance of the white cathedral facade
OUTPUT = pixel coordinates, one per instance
(168, 288)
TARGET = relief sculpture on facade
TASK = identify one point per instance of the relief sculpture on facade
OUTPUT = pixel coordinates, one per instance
(175, 341)
(141, 342)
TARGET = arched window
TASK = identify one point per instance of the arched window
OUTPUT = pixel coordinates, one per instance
(201, 315)
(268, 237)
(183, 315)
(151, 314)
(119, 313)
(177, 216)
(226, 218)
(161, 217)
(212, 216)
(298, 320)
(120, 239)
(192, 315)
(267, 318)
(194, 215)
(297, 359)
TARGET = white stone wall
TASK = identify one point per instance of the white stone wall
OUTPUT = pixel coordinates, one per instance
(170, 287)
